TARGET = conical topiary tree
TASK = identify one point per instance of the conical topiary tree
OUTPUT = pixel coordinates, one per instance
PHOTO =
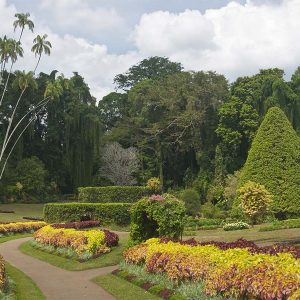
(274, 161)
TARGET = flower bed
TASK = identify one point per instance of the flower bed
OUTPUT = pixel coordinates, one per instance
(2, 274)
(77, 225)
(20, 227)
(225, 269)
(236, 226)
(85, 243)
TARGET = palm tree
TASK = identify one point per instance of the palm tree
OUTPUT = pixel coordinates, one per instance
(41, 45)
(22, 21)
(9, 49)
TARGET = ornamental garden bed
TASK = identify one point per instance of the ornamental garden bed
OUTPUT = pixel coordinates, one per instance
(81, 245)
(20, 227)
(239, 269)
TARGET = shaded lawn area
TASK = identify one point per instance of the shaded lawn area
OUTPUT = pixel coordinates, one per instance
(291, 236)
(122, 289)
(21, 210)
(109, 259)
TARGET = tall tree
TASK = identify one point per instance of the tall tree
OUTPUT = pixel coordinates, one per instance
(41, 45)
(154, 67)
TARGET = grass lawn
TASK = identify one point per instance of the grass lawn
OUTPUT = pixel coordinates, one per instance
(122, 289)
(24, 288)
(108, 259)
(291, 236)
(21, 210)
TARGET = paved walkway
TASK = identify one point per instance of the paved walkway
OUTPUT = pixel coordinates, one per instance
(56, 283)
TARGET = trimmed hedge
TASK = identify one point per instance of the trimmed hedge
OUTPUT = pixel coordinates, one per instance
(112, 194)
(117, 213)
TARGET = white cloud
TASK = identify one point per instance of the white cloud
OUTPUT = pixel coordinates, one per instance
(235, 40)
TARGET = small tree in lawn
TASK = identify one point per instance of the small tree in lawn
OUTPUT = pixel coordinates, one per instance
(255, 201)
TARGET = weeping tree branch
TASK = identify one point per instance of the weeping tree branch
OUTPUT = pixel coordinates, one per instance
(21, 133)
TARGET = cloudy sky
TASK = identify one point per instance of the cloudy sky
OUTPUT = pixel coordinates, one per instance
(102, 38)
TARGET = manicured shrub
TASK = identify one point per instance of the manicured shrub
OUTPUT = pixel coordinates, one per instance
(236, 226)
(20, 227)
(191, 199)
(157, 216)
(117, 213)
(76, 225)
(114, 194)
(273, 161)
(255, 201)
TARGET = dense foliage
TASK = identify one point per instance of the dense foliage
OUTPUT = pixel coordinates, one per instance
(123, 194)
(233, 271)
(192, 202)
(117, 213)
(273, 161)
(255, 201)
(157, 216)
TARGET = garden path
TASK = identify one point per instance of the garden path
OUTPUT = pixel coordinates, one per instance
(56, 283)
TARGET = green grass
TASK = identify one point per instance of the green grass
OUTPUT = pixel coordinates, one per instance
(24, 288)
(21, 210)
(122, 289)
(108, 259)
(290, 236)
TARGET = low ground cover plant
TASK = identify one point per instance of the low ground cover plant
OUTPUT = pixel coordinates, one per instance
(236, 226)
(240, 269)
(20, 227)
(77, 225)
(82, 244)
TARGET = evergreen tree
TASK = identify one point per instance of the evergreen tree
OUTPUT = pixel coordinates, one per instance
(274, 161)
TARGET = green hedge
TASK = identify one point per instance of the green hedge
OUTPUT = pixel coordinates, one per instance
(117, 213)
(105, 194)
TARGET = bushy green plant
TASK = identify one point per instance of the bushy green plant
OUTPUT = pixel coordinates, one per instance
(236, 226)
(154, 184)
(211, 211)
(114, 194)
(192, 202)
(273, 161)
(285, 224)
(255, 201)
(117, 213)
(157, 216)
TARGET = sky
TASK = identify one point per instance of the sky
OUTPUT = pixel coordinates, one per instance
(102, 38)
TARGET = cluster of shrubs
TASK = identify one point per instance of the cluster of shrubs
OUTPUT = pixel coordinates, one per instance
(20, 227)
(230, 272)
(85, 243)
(76, 225)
